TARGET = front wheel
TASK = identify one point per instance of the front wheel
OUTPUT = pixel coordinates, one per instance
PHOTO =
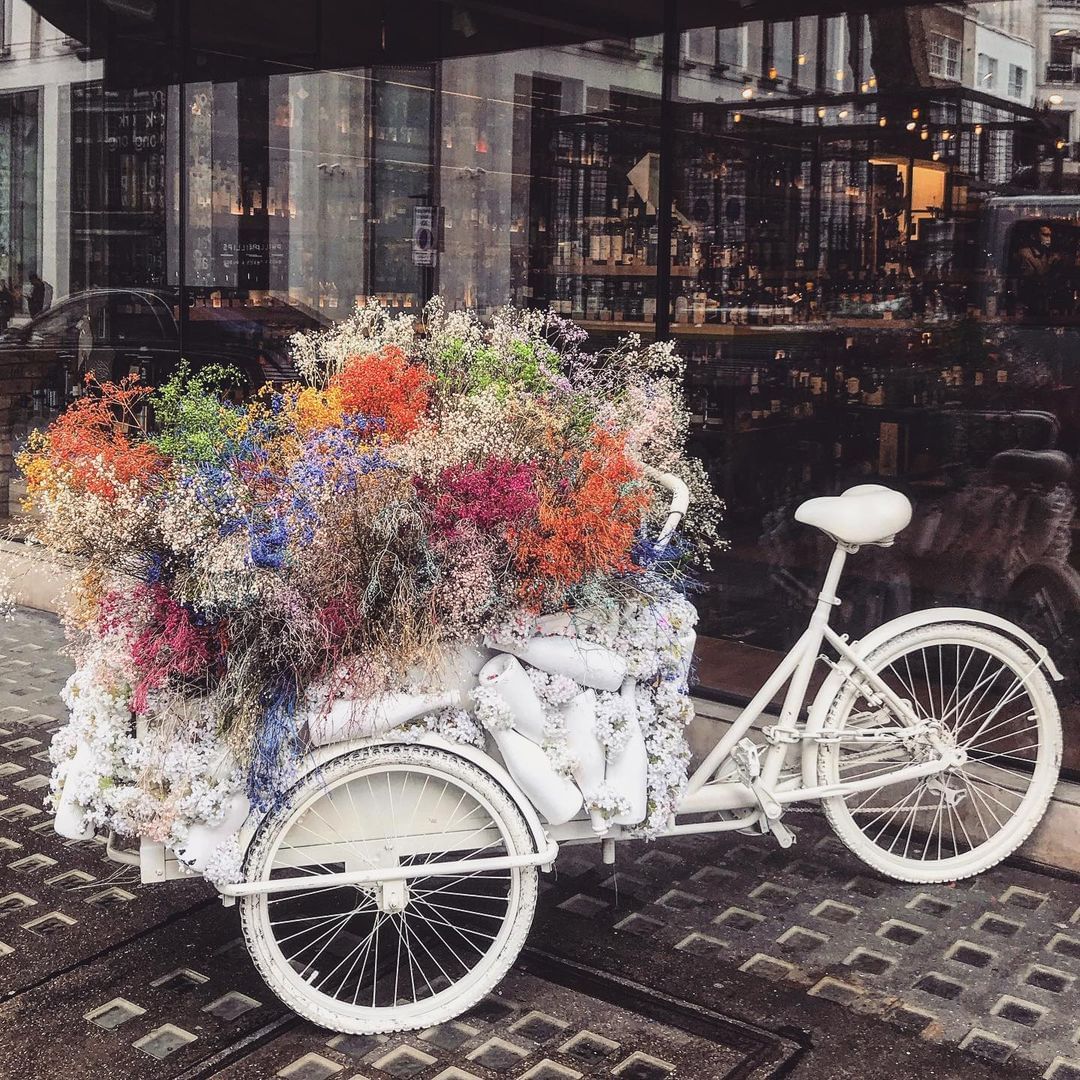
(980, 691)
(384, 957)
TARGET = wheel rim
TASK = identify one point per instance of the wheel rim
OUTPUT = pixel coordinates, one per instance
(347, 948)
(979, 699)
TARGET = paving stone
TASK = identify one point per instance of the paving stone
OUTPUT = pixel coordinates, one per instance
(902, 933)
(913, 1021)
(588, 1048)
(737, 918)
(580, 904)
(835, 912)
(926, 904)
(490, 1010)
(114, 1013)
(164, 1040)
(231, 1005)
(869, 963)
(989, 1047)
(310, 1067)
(701, 944)
(1064, 945)
(498, 1054)
(1026, 899)
(641, 1066)
(965, 952)
(406, 1061)
(774, 895)
(798, 941)
(997, 925)
(639, 924)
(538, 1027)
(814, 920)
(1018, 1011)
(939, 986)
(1063, 1069)
(1051, 979)
(768, 967)
(834, 990)
(550, 1070)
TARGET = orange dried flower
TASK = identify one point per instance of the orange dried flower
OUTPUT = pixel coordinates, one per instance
(583, 525)
(385, 386)
(91, 447)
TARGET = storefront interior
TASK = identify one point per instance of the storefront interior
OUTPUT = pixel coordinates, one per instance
(872, 270)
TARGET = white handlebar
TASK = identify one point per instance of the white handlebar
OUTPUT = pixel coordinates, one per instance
(680, 501)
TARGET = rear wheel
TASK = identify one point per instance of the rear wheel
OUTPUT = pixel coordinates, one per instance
(981, 692)
(389, 956)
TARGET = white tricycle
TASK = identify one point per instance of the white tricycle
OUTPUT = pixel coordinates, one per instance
(396, 883)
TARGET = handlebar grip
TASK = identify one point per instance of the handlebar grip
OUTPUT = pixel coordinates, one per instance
(680, 501)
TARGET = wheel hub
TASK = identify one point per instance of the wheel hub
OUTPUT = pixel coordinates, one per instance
(952, 796)
(392, 897)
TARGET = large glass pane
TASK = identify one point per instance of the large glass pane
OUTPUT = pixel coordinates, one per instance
(549, 163)
(874, 276)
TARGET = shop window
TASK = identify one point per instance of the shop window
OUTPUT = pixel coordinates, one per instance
(944, 56)
(729, 45)
(1017, 81)
(700, 45)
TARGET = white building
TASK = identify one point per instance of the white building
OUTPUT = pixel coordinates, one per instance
(38, 65)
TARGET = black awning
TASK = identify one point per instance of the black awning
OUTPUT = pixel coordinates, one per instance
(156, 40)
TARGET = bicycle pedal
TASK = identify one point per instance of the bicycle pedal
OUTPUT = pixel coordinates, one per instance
(784, 836)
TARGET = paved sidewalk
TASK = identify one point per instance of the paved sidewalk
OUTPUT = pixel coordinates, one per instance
(701, 957)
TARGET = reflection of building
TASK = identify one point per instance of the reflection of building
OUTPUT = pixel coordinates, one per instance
(1058, 71)
(39, 65)
(829, 212)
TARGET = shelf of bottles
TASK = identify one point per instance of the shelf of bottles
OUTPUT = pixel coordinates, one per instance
(595, 256)
(871, 404)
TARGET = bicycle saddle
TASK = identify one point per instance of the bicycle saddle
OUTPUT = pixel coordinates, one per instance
(865, 514)
(1039, 466)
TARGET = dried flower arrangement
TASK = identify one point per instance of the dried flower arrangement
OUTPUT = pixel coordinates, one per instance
(249, 565)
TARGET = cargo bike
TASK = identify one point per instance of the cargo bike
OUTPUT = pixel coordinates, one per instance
(396, 883)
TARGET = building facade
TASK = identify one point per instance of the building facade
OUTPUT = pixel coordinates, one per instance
(862, 229)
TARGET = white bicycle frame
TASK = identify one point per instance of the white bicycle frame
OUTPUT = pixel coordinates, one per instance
(755, 793)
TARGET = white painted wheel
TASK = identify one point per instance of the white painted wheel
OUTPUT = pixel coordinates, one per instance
(379, 958)
(988, 697)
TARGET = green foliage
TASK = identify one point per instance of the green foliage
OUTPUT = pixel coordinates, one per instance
(521, 365)
(195, 423)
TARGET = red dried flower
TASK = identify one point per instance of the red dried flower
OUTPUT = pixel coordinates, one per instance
(385, 386)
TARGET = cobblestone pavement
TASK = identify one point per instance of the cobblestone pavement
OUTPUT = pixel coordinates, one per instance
(700, 957)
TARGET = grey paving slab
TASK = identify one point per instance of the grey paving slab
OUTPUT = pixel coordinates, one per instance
(61, 902)
(531, 1029)
(989, 966)
(149, 1009)
(106, 978)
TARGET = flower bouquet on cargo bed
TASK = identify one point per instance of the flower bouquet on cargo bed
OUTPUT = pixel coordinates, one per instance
(426, 534)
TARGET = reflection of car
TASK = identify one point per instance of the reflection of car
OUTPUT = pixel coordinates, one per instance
(112, 332)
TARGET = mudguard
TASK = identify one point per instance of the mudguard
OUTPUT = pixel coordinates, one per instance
(318, 756)
(819, 709)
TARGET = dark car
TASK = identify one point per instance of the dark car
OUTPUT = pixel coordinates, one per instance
(114, 332)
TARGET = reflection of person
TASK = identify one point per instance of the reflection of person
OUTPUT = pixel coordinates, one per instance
(7, 304)
(40, 295)
(1042, 268)
(1038, 257)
